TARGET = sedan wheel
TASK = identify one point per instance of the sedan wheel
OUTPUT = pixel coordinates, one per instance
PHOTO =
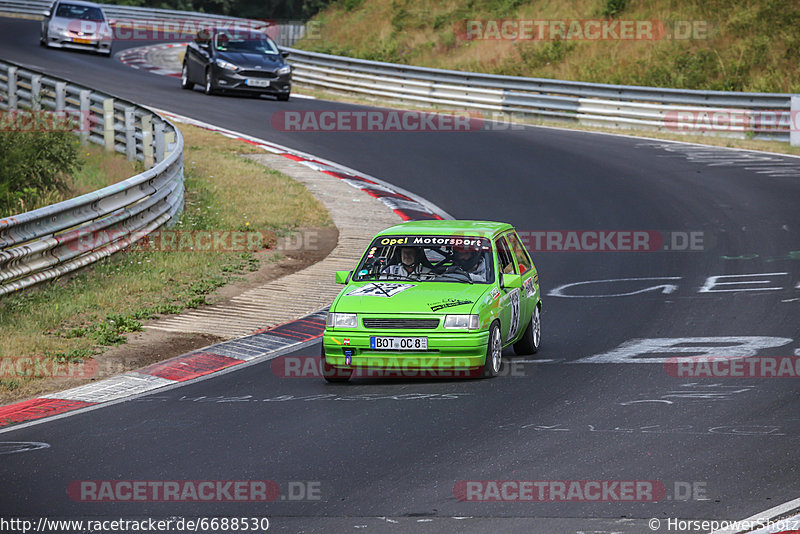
(185, 83)
(494, 353)
(532, 338)
(209, 83)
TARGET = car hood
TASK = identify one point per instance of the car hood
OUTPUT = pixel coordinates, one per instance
(250, 61)
(401, 297)
(90, 26)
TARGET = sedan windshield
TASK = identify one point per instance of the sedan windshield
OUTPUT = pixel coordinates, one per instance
(463, 259)
(76, 12)
(246, 42)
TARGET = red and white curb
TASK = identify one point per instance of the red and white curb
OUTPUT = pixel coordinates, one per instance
(259, 346)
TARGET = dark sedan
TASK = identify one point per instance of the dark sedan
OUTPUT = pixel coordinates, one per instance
(233, 59)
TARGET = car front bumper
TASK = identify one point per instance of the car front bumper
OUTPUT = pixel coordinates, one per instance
(230, 80)
(56, 40)
(458, 350)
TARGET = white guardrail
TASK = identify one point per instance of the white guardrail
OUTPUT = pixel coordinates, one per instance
(285, 33)
(760, 115)
(49, 242)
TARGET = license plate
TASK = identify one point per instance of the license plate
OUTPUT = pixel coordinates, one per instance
(82, 41)
(398, 343)
(255, 82)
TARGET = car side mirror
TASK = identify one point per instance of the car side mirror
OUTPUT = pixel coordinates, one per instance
(343, 277)
(510, 281)
(284, 53)
(112, 22)
(46, 13)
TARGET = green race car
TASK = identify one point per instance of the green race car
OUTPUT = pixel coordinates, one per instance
(434, 298)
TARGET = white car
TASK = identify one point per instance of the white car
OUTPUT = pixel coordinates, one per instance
(76, 24)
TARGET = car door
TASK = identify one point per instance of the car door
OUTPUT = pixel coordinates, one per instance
(197, 56)
(530, 280)
(510, 298)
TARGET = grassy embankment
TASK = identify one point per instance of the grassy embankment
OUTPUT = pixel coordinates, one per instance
(743, 46)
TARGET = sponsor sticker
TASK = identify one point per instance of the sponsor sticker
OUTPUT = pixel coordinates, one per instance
(380, 289)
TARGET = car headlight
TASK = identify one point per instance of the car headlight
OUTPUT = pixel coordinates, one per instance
(286, 69)
(342, 320)
(226, 65)
(469, 322)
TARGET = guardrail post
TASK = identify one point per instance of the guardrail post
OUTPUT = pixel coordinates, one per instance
(794, 128)
(86, 116)
(130, 133)
(147, 140)
(61, 96)
(108, 124)
(158, 129)
(36, 92)
(12, 88)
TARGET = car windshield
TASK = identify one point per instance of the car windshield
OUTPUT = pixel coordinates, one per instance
(247, 42)
(72, 11)
(463, 259)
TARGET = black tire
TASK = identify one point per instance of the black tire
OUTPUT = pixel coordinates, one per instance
(283, 98)
(531, 340)
(185, 83)
(209, 87)
(334, 374)
(494, 353)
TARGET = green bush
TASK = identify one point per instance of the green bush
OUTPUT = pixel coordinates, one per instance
(35, 168)
(613, 8)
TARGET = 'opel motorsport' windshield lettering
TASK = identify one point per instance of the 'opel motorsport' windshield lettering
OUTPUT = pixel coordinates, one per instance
(435, 240)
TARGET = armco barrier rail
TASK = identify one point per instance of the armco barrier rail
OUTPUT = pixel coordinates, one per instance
(762, 115)
(285, 33)
(49, 242)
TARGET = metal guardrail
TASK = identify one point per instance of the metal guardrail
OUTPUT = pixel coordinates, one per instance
(761, 115)
(49, 242)
(284, 33)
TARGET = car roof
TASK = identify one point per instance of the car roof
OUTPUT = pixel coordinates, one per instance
(80, 3)
(440, 227)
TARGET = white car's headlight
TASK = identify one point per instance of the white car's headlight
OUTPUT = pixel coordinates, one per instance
(286, 69)
(342, 320)
(226, 64)
(469, 322)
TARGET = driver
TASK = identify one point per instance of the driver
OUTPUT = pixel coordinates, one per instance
(470, 260)
(410, 263)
